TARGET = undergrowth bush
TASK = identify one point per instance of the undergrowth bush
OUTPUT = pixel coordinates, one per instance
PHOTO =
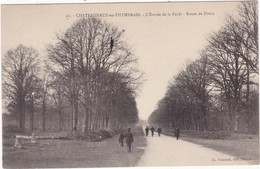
(206, 134)
(11, 131)
(99, 135)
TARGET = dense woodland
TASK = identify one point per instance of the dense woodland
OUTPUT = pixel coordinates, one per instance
(219, 90)
(87, 81)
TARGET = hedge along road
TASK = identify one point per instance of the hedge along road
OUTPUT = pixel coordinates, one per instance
(167, 151)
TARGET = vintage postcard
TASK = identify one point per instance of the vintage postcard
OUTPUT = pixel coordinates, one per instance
(151, 84)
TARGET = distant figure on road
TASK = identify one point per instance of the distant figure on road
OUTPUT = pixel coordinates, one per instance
(177, 133)
(146, 131)
(159, 130)
(121, 139)
(129, 139)
(152, 130)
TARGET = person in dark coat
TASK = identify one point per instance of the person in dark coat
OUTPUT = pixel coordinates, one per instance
(177, 133)
(121, 139)
(152, 130)
(159, 130)
(129, 139)
(146, 131)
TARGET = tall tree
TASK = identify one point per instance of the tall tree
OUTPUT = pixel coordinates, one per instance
(217, 88)
(20, 69)
(89, 55)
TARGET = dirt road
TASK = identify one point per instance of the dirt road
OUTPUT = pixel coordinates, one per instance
(167, 151)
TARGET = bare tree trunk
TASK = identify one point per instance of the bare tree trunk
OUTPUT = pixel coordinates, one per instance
(21, 108)
(75, 115)
(247, 98)
(72, 116)
(103, 122)
(32, 115)
(95, 121)
(43, 111)
(205, 117)
(106, 120)
(51, 120)
(85, 121)
(229, 119)
(90, 119)
(61, 120)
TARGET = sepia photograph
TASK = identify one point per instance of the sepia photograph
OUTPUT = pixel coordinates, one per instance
(130, 84)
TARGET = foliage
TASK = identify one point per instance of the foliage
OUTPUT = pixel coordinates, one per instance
(216, 91)
(88, 81)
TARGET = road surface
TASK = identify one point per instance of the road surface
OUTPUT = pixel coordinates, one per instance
(167, 151)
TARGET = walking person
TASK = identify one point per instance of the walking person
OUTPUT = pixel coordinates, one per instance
(129, 139)
(146, 131)
(159, 130)
(121, 139)
(177, 133)
(152, 130)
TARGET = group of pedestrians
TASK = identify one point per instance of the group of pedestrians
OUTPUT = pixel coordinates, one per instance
(129, 139)
(159, 130)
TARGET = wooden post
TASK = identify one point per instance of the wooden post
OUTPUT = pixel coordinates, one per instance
(18, 143)
(33, 138)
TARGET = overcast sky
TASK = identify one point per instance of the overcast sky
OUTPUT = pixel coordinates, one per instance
(163, 44)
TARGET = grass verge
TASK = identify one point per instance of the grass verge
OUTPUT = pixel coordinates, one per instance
(74, 153)
(245, 149)
(242, 146)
